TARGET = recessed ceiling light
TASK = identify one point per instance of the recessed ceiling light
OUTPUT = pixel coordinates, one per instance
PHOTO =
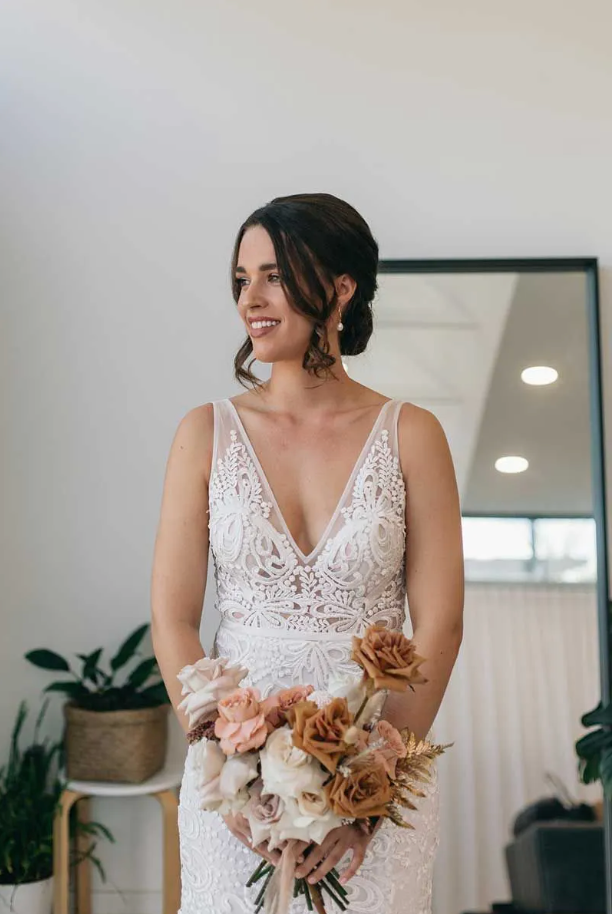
(539, 375)
(511, 464)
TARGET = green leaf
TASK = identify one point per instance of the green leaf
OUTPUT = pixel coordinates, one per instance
(141, 673)
(156, 694)
(73, 689)
(90, 664)
(593, 742)
(589, 768)
(605, 771)
(598, 717)
(47, 660)
(128, 648)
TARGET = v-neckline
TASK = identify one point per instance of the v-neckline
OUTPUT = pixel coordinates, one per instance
(349, 484)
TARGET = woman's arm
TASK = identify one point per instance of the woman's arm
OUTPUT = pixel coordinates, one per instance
(180, 562)
(434, 565)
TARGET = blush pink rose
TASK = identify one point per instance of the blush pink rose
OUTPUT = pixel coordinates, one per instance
(276, 706)
(241, 725)
(389, 746)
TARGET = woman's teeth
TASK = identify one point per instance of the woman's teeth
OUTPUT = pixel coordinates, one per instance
(257, 325)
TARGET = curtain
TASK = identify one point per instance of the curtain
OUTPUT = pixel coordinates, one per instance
(528, 669)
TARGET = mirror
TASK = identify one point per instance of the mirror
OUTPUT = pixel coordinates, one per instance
(505, 354)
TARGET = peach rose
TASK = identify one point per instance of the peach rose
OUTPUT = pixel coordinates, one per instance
(390, 746)
(388, 659)
(321, 733)
(275, 707)
(241, 725)
(366, 791)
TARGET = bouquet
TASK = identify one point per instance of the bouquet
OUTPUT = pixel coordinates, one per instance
(301, 762)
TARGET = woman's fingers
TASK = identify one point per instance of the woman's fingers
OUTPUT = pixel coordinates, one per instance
(356, 861)
(334, 857)
(314, 857)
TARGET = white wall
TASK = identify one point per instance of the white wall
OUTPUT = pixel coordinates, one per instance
(136, 136)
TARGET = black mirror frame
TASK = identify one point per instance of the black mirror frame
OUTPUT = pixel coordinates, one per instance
(589, 266)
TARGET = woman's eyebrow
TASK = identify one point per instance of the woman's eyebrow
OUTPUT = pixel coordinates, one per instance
(264, 266)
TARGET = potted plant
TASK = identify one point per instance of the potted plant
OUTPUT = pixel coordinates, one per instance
(595, 749)
(112, 732)
(30, 792)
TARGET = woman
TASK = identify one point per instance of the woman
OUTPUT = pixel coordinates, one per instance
(324, 503)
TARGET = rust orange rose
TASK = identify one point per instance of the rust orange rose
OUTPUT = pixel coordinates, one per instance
(320, 731)
(365, 792)
(388, 659)
(241, 725)
(276, 706)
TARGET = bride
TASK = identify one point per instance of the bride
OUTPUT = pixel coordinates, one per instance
(324, 504)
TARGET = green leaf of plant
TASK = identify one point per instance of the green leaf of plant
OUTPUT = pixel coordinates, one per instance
(90, 664)
(598, 717)
(589, 768)
(128, 648)
(605, 770)
(141, 673)
(47, 660)
(155, 694)
(74, 689)
(593, 742)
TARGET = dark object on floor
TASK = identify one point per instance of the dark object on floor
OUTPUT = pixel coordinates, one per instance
(558, 867)
(549, 808)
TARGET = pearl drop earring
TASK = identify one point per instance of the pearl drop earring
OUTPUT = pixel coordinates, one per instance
(340, 324)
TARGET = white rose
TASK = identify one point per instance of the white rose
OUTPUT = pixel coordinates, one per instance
(207, 761)
(345, 685)
(238, 771)
(309, 820)
(287, 770)
(205, 683)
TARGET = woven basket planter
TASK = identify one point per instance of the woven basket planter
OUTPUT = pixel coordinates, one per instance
(120, 746)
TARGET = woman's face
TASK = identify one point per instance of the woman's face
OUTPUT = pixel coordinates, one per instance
(262, 298)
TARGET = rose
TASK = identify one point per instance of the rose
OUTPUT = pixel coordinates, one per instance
(309, 818)
(388, 658)
(220, 781)
(275, 707)
(204, 683)
(237, 772)
(345, 685)
(392, 748)
(287, 770)
(321, 732)
(241, 725)
(263, 812)
(207, 760)
(365, 791)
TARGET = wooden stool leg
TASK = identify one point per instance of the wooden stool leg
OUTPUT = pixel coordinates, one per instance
(83, 870)
(61, 852)
(172, 864)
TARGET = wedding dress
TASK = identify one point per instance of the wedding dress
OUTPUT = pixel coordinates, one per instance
(289, 618)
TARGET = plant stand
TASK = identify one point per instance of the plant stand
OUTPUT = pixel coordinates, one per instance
(162, 786)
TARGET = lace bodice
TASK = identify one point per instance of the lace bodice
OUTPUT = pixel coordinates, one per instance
(354, 576)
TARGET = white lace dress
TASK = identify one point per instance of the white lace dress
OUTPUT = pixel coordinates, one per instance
(289, 618)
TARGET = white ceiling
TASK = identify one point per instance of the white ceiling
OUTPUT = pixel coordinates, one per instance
(456, 345)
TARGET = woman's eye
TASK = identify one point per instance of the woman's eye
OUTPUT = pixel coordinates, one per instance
(274, 276)
(241, 279)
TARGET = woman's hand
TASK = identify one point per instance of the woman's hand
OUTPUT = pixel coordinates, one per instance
(325, 856)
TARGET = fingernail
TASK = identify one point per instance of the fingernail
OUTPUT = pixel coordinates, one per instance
(301, 859)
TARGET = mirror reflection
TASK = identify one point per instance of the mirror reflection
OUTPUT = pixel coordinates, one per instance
(503, 361)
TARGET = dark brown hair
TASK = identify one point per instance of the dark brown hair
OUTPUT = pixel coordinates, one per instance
(316, 236)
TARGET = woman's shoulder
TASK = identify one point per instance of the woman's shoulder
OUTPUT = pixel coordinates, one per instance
(420, 435)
